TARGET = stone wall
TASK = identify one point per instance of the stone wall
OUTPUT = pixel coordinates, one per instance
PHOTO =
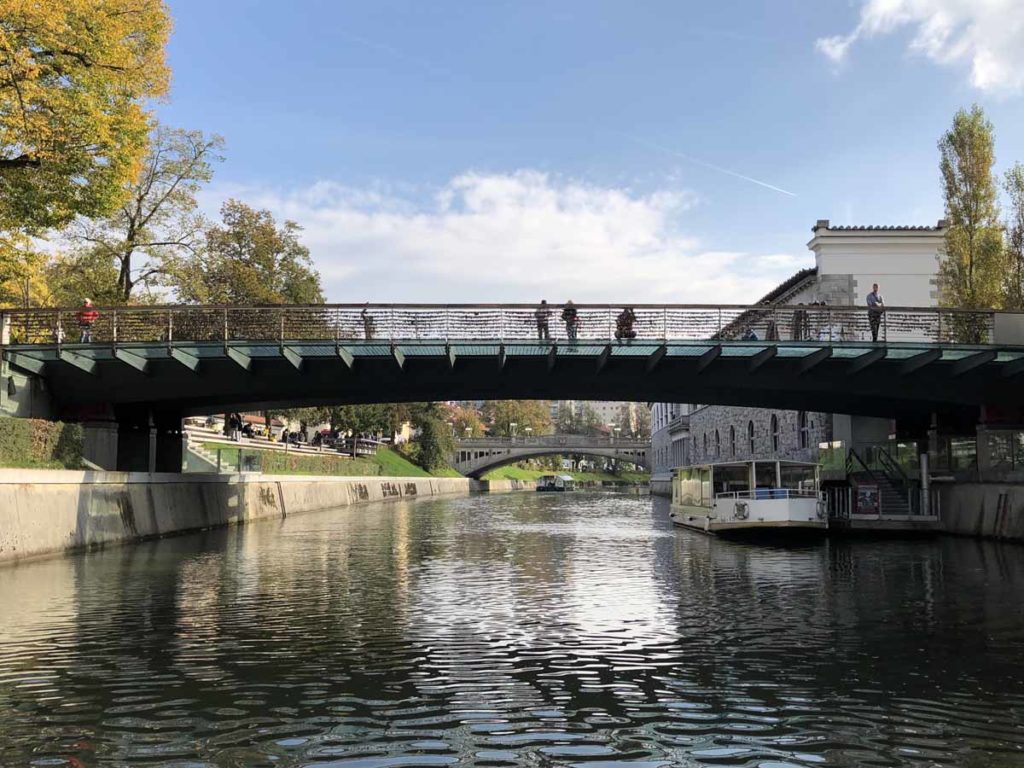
(705, 421)
(52, 511)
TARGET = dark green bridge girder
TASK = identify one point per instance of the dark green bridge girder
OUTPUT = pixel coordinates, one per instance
(189, 378)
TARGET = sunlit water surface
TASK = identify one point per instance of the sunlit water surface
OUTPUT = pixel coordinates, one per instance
(521, 629)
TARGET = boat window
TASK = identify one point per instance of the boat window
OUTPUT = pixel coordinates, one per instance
(764, 474)
(695, 487)
(797, 476)
(732, 478)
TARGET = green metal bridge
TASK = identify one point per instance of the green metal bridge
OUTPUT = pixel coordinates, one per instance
(146, 367)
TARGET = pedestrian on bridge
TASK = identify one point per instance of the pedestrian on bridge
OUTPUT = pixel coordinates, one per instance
(367, 319)
(876, 306)
(87, 316)
(543, 317)
(624, 324)
(571, 320)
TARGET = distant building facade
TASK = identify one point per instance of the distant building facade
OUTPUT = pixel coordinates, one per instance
(903, 261)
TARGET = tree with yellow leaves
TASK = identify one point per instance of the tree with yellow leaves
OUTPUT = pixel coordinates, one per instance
(22, 273)
(74, 77)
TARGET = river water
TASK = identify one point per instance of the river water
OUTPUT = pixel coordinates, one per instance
(518, 629)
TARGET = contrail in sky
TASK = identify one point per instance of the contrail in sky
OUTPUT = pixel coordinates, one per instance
(712, 166)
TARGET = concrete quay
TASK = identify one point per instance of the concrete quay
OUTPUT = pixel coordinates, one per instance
(46, 512)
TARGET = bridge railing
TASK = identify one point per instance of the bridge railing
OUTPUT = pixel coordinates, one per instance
(554, 441)
(516, 322)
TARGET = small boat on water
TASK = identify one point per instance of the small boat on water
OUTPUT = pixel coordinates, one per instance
(740, 498)
(555, 483)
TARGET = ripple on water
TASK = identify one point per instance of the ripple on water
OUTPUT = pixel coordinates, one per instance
(509, 630)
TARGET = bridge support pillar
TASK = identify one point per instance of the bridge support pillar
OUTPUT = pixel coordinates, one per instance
(168, 444)
(136, 443)
(99, 443)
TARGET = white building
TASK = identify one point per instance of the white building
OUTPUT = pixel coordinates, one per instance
(903, 261)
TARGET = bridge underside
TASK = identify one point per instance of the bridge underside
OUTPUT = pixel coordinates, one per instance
(907, 380)
(476, 467)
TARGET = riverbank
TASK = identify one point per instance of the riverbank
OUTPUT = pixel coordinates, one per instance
(52, 511)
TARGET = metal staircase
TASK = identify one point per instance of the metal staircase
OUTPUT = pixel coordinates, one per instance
(894, 487)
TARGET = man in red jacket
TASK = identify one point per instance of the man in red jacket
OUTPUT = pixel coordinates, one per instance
(87, 315)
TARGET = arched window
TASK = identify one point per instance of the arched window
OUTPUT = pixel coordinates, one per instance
(732, 441)
(774, 432)
(705, 444)
(803, 433)
(718, 445)
(750, 437)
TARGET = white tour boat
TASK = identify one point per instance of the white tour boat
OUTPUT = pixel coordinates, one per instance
(748, 496)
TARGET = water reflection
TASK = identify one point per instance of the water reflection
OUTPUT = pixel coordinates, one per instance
(518, 629)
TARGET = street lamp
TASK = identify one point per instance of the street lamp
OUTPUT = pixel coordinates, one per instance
(512, 428)
(469, 431)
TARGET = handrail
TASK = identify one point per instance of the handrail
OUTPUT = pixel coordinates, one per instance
(151, 308)
(769, 494)
(606, 323)
(891, 467)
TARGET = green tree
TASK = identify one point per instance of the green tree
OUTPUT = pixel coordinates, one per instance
(248, 259)
(972, 271)
(435, 442)
(159, 220)
(74, 78)
(1014, 283)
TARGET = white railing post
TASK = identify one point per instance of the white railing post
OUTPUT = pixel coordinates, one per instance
(113, 331)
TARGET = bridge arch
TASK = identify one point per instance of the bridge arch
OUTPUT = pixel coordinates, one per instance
(476, 457)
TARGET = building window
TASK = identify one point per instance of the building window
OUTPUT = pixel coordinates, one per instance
(732, 441)
(803, 433)
(718, 445)
(750, 437)
(774, 431)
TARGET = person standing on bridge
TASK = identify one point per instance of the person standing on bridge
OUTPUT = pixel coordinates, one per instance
(543, 317)
(571, 320)
(87, 316)
(367, 319)
(876, 306)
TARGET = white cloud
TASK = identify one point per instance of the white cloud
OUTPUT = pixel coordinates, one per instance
(985, 35)
(512, 237)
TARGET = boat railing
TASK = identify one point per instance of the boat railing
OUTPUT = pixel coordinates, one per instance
(770, 493)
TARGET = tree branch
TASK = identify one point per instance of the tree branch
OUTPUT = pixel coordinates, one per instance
(22, 161)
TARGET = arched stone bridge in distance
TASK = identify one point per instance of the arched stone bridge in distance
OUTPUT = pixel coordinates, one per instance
(475, 456)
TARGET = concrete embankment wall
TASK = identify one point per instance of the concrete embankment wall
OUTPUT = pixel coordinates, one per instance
(50, 511)
(495, 486)
(992, 510)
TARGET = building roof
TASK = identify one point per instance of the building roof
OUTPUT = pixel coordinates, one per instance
(825, 224)
(777, 295)
(787, 286)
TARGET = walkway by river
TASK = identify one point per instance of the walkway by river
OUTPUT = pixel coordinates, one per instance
(523, 629)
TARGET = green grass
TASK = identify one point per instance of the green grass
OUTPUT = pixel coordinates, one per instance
(513, 472)
(387, 463)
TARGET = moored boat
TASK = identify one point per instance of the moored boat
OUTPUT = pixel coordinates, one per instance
(555, 483)
(738, 498)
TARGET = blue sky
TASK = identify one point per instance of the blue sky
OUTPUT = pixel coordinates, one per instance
(485, 151)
